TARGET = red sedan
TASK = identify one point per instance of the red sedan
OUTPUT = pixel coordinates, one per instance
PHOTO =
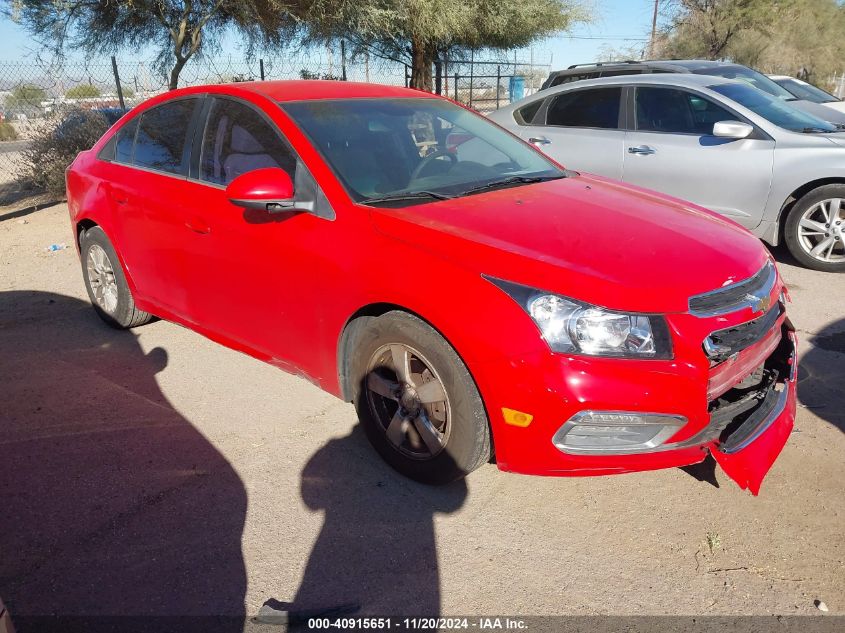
(475, 300)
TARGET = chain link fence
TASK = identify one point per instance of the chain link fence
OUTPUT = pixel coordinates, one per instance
(36, 97)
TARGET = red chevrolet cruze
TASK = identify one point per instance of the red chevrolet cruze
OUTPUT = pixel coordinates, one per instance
(475, 300)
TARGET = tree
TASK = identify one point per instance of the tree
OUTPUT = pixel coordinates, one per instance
(423, 32)
(793, 37)
(83, 91)
(705, 28)
(25, 95)
(179, 29)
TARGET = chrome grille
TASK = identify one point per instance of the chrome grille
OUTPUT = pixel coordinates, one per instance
(749, 293)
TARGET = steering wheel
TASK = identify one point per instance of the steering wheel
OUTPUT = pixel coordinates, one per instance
(425, 162)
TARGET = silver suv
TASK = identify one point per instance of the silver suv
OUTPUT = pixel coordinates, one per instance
(719, 143)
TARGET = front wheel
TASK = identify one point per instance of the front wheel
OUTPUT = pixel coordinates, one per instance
(815, 229)
(416, 400)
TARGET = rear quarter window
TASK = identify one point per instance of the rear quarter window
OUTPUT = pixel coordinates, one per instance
(525, 114)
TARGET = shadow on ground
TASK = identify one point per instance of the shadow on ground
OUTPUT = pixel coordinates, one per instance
(111, 502)
(376, 550)
(821, 374)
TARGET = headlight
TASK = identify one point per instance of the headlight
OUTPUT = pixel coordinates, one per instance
(568, 325)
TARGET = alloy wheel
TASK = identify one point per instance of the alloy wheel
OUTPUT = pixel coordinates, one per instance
(101, 278)
(409, 400)
(821, 231)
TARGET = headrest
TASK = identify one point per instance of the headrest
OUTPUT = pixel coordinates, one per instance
(244, 143)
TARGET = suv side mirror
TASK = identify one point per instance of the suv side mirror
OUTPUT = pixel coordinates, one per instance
(732, 129)
(268, 189)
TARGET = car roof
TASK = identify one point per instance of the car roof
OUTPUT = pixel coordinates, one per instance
(303, 90)
(669, 79)
(677, 65)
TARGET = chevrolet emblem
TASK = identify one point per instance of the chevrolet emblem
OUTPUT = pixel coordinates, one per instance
(758, 304)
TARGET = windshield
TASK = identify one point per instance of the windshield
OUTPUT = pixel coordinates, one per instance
(772, 109)
(426, 148)
(751, 77)
(806, 91)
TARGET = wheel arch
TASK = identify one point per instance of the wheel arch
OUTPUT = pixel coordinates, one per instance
(86, 224)
(355, 323)
(796, 195)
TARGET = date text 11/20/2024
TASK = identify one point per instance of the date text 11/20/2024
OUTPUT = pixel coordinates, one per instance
(419, 623)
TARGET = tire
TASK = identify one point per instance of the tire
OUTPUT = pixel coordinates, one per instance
(459, 422)
(106, 283)
(814, 206)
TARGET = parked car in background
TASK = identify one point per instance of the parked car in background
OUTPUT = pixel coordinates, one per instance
(803, 90)
(727, 70)
(722, 144)
(577, 325)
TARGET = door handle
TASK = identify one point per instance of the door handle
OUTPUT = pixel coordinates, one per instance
(198, 225)
(539, 140)
(642, 149)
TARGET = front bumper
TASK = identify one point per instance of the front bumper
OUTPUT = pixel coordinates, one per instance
(744, 438)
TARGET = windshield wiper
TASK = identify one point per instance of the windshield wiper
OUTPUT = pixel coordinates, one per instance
(514, 180)
(816, 130)
(411, 195)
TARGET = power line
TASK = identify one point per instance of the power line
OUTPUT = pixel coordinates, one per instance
(586, 37)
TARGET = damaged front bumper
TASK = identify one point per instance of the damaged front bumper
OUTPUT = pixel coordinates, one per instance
(757, 423)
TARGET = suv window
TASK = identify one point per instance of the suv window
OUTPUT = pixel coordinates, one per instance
(238, 140)
(677, 111)
(598, 108)
(160, 141)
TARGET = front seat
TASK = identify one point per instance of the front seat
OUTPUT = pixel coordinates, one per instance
(245, 154)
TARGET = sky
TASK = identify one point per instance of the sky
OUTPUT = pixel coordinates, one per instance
(618, 24)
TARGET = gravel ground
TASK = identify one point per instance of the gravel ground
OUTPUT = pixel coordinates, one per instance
(158, 472)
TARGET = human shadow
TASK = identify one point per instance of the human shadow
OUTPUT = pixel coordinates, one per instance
(377, 549)
(821, 374)
(111, 502)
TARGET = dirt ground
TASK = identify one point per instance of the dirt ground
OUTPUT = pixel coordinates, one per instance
(158, 472)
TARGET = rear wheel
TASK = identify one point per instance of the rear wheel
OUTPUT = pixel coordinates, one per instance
(815, 229)
(417, 401)
(106, 283)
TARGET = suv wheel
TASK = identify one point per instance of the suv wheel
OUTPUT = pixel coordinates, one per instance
(815, 229)
(416, 400)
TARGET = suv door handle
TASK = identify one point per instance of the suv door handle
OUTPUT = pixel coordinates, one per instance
(539, 140)
(642, 149)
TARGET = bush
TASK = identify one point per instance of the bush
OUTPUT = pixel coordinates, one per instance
(83, 91)
(8, 131)
(55, 147)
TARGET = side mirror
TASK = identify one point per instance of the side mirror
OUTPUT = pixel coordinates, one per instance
(268, 189)
(732, 129)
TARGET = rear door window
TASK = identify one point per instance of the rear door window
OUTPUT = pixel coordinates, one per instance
(238, 140)
(161, 138)
(594, 108)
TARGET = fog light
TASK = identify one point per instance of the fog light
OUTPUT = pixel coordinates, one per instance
(616, 432)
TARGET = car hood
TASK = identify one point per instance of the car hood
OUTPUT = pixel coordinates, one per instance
(585, 237)
(819, 110)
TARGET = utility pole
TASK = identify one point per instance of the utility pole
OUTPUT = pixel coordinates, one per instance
(653, 31)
